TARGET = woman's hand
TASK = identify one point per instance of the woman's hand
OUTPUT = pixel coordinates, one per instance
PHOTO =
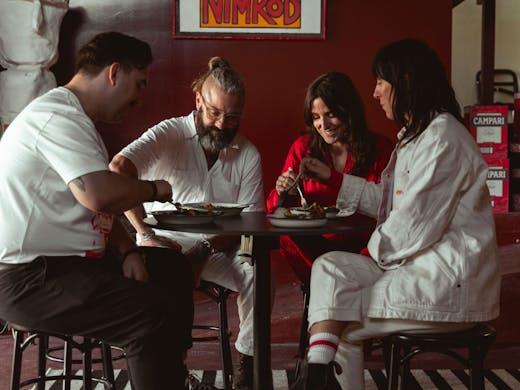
(312, 168)
(134, 267)
(285, 181)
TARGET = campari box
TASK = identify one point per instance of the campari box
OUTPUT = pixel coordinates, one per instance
(498, 183)
(489, 127)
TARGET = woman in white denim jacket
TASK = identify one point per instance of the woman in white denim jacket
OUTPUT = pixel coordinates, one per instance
(433, 259)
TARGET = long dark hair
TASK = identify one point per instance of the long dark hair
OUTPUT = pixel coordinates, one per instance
(341, 97)
(421, 89)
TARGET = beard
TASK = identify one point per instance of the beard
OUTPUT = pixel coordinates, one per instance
(213, 143)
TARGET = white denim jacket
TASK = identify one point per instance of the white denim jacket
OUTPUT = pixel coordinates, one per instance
(436, 235)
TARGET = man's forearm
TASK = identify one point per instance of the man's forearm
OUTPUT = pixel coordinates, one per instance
(136, 216)
(119, 238)
(110, 192)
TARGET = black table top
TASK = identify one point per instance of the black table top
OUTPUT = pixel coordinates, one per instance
(257, 224)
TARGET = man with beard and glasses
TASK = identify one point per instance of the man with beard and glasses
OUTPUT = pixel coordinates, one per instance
(205, 160)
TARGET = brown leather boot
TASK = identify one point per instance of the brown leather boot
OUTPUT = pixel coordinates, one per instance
(243, 373)
(314, 376)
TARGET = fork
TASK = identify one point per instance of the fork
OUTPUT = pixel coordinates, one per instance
(302, 198)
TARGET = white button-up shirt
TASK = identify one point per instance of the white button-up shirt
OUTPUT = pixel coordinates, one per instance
(171, 151)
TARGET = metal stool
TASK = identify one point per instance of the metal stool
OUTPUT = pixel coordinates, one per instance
(42, 338)
(304, 338)
(219, 295)
(399, 348)
(303, 343)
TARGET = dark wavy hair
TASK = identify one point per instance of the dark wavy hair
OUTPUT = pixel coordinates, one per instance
(341, 97)
(109, 47)
(421, 89)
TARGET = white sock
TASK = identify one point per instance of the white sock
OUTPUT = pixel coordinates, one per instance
(322, 348)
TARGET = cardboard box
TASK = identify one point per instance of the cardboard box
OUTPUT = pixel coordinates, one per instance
(489, 127)
(498, 183)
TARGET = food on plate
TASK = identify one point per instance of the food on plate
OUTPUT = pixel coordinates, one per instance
(183, 211)
(218, 209)
(314, 211)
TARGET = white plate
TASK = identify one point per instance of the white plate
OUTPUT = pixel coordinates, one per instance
(296, 222)
(174, 217)
(224, 209)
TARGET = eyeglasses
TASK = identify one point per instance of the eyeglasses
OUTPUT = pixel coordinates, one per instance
(215, 115)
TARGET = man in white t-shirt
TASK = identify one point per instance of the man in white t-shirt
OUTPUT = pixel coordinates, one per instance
(205, 160)
(67, 265)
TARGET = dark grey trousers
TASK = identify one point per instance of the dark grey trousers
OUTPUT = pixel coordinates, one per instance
(90, 297)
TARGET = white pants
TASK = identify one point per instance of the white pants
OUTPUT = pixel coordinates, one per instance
(228, 271)
(341, 285)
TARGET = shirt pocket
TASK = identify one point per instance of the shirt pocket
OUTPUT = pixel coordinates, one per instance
(188, 184)
(223, 190)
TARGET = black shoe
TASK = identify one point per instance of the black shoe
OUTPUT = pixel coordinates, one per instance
(243, 375)
(196, 384)
(314, 376)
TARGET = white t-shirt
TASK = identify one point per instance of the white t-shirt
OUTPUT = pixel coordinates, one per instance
(51, 142)
(171, 151)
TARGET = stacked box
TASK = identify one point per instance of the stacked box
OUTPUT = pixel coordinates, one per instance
(498, 183)
(514, 150)
(489, 127)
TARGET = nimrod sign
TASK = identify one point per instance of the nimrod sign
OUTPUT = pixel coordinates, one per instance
(251, 13)
(252, 19)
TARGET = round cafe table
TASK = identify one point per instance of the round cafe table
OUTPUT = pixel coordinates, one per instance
(264, 236)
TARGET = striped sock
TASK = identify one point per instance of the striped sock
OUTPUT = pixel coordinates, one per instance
(322, 348)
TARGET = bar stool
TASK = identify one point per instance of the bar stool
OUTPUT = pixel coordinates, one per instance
(303, 342)
(24, 337)
(219, 295)
(399, 348)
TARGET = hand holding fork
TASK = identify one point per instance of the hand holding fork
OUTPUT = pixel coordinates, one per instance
(283, 187)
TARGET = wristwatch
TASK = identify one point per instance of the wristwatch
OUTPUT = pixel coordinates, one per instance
(147, 235)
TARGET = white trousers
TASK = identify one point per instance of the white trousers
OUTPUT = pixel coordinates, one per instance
(227, 270)
(341, 285)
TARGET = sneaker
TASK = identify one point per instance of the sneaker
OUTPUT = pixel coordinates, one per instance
(196, 384)
(314, 376)
(243, 373)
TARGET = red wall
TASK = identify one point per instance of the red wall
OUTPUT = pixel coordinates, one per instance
(276, 73)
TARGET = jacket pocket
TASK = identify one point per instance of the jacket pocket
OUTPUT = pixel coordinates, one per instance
(424, 284)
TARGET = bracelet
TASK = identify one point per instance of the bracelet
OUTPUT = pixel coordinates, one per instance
(148, 235)
(154, 189)
(135, 249)
(206, 244)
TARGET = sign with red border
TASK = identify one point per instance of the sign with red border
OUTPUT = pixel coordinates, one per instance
(249, 19)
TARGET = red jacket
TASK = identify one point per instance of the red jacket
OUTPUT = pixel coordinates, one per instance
(301, 252)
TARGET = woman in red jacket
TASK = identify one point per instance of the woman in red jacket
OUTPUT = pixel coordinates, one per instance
(337, 134)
